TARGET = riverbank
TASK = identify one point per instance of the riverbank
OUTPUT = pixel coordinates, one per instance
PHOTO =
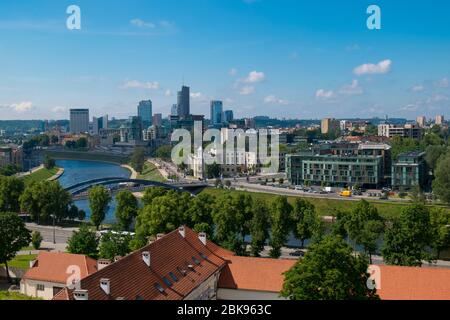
(57, 175)
(42, 174)
(87, 156)
(134, 174)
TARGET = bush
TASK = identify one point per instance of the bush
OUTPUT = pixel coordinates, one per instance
(36, 240)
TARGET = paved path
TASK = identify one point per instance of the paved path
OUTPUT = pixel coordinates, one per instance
(61, 234)
(24, 174)
(134, 174)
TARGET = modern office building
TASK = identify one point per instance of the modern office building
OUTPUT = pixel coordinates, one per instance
(409, 170)
(421, 121)
(146, 113)
(329, 125)
(174, 110)
(216, 112)
(99, 124)
(405, 131)
(157, 120)
(440, 120)
(183, 106)
(331, 170)
(228, 116)
(79, 121)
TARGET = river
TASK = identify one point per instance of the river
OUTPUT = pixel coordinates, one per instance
(76, 171)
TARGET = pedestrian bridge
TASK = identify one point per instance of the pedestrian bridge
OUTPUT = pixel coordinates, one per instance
(137, 185)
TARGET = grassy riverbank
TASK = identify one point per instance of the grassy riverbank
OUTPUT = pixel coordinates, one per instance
(40, 175)
(151, 173)
(325, 207)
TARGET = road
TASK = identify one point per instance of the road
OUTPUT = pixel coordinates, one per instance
(61, 234)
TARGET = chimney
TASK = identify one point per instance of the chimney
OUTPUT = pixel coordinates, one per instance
(105, 284)
(146, 257)
(81, 295)
(117, 258)
(202, 237)
(182, 231)
(102, 263)
(159, 236)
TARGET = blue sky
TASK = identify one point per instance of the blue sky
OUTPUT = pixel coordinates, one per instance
(283, 58)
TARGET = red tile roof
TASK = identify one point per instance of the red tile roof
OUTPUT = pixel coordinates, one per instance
(259, 274)
(131, 278)
(53, 267)
(408, 283)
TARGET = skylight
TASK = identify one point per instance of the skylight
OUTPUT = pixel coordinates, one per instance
(173, 276)
(159, 288)
(167, 282)
(196, 261)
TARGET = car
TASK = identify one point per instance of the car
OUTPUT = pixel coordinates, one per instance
(297, 253)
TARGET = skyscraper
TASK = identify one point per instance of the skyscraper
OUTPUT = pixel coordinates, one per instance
(99, 123)
(174, 110)
(216, 112)
(79, 121)
(329, 125)
(440, 120)
(421, 121)
(184, 107)
(157, 120)
(228, 116)
(145, 112)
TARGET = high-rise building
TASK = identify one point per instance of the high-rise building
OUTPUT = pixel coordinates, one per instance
(145, 112)
(79, 121)
(421, 121)
(228, 116)
(183, 106)
(99, 123)
(174, 110)
(329, 125)
(216, 112)
(157, 120)
(440, 120)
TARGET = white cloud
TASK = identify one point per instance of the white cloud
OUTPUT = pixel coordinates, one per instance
(418, 88)
(351, 89)
(233, 72)
(142, 24)
(437, 98)
(274, 100)
(168, 93)
(370, 68)
(443, 83)
(255, 77)
(323, 94)
(59, 109)
(196, 95)
(247, 90)
(22, 106)
(135, 84)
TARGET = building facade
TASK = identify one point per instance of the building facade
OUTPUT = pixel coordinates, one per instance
(184, 105)
(79, 121)
(216, 111)
(406, 131)
(409, 170)
(329, 125)
(145, 111)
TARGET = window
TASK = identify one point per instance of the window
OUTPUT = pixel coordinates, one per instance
(173, 276)
(159, 288)
(40, 287)
(167, 282)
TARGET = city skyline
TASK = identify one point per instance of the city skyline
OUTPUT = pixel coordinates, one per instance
(294, 60)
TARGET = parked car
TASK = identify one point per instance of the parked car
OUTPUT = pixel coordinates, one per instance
(297, 253)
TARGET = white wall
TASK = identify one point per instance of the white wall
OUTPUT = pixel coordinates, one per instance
(29, 288)
(232, 294)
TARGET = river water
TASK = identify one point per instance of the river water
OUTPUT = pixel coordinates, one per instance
(76, 171)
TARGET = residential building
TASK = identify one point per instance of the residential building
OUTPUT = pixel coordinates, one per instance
(421, 121)
(145, 112)
(405, 131)
(5, 156)
(79, 121)
(329, 125)
(183, 106)
(49, 273)
(409, 170)
(216, 109)
(182, 265)
(440, 120)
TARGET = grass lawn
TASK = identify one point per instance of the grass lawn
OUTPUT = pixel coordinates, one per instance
(40, 175)
(5, 295)
(325, 207)
(151, 173)
(21, 262)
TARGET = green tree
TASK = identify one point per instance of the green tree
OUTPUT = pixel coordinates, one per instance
(13, 237)
(84, 242)
(441, 184)
(49, 163)
(306, 224)
(433, 153)
(164, 152)
(11, 189)
(407, 240)
(46, 200)
(259, 227)
(138, 159)
(99, 199)
(200, 213)
(329, 271)
(364, 226)
(213, 170)
(113, 244)
(36, 240)
(281, 224)
(126, 209)
(151, 193)
(440, 224)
